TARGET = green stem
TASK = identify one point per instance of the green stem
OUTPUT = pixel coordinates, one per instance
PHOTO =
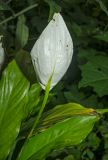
(42, 107)
(18, 14)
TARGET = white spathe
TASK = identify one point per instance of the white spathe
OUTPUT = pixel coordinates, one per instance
(1, 53)
(52, 52)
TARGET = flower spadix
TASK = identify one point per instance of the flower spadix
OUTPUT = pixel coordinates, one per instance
(52, 52)
(1, 53)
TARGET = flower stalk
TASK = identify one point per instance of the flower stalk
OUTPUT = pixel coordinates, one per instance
(47, 90)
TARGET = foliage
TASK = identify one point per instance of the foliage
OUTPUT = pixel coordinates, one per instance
(85, 83)
(11, 106)
(98, 74)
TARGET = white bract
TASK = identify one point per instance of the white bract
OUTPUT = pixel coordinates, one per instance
(52, 52)
(1, 53)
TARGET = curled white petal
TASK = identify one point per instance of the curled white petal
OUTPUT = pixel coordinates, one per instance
(52, 51)
(1, 53)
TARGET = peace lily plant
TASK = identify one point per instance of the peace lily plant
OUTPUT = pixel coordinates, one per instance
(51, 56)
(64, 125)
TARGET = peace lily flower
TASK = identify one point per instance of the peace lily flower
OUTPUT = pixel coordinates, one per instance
(52, 52)
(1, 53)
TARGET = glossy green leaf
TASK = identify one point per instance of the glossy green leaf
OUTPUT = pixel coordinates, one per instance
(13, 98)
(71, 130)
(61, 112)
(22, 32)
(33, 99)
(95, 74)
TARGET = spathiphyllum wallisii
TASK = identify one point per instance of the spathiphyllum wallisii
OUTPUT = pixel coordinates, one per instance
(1, 53)
(52, 52)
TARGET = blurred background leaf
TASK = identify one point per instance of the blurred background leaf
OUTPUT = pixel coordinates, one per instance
(95, 74)
(22, 32)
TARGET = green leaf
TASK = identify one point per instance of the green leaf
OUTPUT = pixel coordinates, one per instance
(70, 131)
(62, 112)
(87, 54)
(22, 32)
(13, 97)
(33, 99)
(103, 36)
(93, 141)
(54, 7)
(31, 108)
(95, 74)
